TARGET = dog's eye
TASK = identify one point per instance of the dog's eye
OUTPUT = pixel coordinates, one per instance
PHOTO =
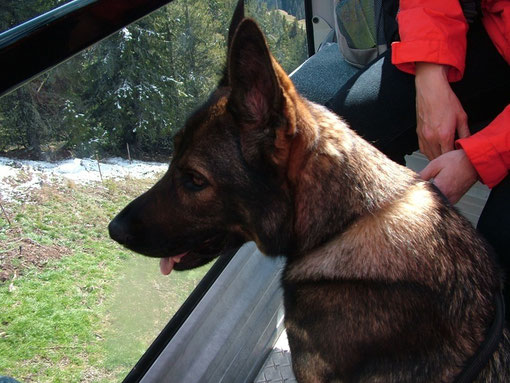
(194, 181)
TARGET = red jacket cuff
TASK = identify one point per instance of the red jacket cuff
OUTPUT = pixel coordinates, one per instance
(489, 149)
(405, 55)
(485, 160)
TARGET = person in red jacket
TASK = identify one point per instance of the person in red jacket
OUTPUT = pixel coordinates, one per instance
(445, 91)
(433, 48)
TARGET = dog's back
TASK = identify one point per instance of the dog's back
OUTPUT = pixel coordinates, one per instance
(404, 292)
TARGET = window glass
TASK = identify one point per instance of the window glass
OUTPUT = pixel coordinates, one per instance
(76, 145)
(15, 12)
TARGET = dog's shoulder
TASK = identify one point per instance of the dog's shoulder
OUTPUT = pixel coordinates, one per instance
(391, 243)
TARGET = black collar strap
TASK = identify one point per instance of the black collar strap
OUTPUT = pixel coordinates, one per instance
(482, 356)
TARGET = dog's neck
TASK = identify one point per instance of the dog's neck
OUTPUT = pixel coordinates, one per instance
(336, 178)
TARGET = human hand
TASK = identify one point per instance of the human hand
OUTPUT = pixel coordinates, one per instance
(439, 113)
(453, 174)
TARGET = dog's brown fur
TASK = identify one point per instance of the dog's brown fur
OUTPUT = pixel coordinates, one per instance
(385, 282)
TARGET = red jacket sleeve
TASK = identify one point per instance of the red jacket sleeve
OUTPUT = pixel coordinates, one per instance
(489, 149)
(431, 31)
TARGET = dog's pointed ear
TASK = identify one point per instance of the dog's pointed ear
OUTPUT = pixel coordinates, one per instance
(237, 17)
(256, 92)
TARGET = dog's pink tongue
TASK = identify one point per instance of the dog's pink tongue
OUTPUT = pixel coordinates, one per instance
(166, 265)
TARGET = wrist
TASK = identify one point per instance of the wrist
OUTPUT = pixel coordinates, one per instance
(431, 71)
(467, 163)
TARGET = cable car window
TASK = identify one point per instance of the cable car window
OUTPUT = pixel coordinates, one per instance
(79, 142)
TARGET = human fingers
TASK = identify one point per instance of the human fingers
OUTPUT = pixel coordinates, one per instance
(462, 125)
(430, 171)
(427, 142)
(446, 140)
(453, 174)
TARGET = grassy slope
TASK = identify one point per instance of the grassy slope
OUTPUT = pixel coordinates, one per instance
(89, 315)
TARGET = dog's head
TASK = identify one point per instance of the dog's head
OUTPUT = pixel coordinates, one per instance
(228, 180)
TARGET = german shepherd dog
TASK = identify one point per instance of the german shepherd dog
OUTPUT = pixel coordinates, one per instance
(384, 280)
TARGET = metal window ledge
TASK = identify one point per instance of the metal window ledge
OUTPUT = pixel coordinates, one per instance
(234, 326)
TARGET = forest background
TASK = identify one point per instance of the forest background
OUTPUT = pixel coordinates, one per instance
(135, 88)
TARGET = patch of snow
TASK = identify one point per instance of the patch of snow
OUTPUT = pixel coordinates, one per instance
(19, 177)
(126, 34)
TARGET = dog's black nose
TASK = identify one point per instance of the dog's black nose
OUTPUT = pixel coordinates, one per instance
(118, 231)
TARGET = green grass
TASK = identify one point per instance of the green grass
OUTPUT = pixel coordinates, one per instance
(88, 315)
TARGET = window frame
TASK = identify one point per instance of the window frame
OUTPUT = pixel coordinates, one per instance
(45, 41)
(30, 49)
